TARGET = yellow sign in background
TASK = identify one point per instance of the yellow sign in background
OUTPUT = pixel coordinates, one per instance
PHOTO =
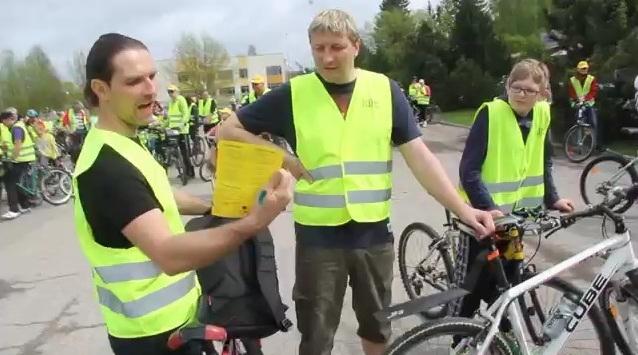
(243, 169)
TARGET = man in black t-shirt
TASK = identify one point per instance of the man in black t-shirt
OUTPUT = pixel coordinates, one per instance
(128, 223)
(359, 252)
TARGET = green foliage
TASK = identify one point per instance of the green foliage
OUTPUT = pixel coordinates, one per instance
(31, 83)
(387, 5)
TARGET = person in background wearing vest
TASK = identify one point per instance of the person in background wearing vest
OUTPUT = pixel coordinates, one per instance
(6, 147)
(127, 217)
(413, 89)
(583, 88)
(259, 89)
(20, 156)
(207, 110)
(507, 165)
(77, 121)
(341, 123)
(179, 116)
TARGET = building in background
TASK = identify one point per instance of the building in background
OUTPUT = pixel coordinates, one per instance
(234, 80)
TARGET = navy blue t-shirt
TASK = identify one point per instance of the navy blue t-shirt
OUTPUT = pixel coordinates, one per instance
(272, 113)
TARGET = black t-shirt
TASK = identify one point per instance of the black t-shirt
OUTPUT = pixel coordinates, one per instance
(272, 113)
(113, 193)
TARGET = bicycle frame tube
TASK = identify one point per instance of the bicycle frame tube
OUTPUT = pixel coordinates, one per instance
(614, 178)
(621, 259)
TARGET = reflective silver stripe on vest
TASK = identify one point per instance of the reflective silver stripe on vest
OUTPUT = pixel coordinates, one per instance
(528, 202)
(369, 196)
(351, 168)
(149, 303)
(326, 172)
(325, 201)
(513, 186)
(338, 201)
(367, 167)
(128, 272)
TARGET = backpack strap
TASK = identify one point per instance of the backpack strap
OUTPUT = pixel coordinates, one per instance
(267, 278)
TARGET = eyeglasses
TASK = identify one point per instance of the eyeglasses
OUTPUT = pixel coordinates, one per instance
(526, 92)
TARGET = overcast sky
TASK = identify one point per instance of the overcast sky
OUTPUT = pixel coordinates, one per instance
(62, 27)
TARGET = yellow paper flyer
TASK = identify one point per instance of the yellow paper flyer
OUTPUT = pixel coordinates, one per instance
(243, 169)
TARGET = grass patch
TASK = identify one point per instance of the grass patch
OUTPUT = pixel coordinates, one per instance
(627, 147)
(462, 117)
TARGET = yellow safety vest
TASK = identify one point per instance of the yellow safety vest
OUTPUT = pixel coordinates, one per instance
(27, 150)
(582, 90)
(178, 114)
(204, 110)
(136, 298)
(350, 160)
(250, 97)
(513, 171)
(5, 139)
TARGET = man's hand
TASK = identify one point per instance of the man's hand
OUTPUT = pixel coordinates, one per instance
(496, 214)
(481, 221)
(276, 196)
(296, 168)
(564, 205)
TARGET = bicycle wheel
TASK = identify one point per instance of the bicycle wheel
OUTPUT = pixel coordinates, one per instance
(619, 311)
(198, 151)
(429, 274)
(52, 187)
(179, 166)
(590, 337)
(205, 172)
(602, 175)
(436, 337)
(580, 142)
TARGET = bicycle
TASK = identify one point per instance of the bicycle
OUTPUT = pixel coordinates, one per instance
(480, 334)
(198, 147)
(200, 339)
(167, 151)
(602, 176)
(580, 139)
(40, 183)
(527, 221)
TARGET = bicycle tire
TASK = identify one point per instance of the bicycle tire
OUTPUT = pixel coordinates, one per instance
(607, 311)
(574, 294)
(198, 151)
(205, 173)
(45, 191)
(443, 252)
(566, 146)
(179, 166)
(622, 161)
(447, 326)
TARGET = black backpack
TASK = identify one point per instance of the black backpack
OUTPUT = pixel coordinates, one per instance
(241, 291)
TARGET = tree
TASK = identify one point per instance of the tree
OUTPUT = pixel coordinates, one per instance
(198, 61)
(12, 90)
(41, 81)
(445, 13)
(473, 38)
(392, 30)
(519, 23)
(252, 50)
(387, 5)
(77, 68)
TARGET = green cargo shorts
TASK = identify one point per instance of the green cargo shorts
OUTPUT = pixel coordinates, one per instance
(322, 275)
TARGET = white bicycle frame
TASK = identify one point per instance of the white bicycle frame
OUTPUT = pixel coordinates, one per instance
(621, 258)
